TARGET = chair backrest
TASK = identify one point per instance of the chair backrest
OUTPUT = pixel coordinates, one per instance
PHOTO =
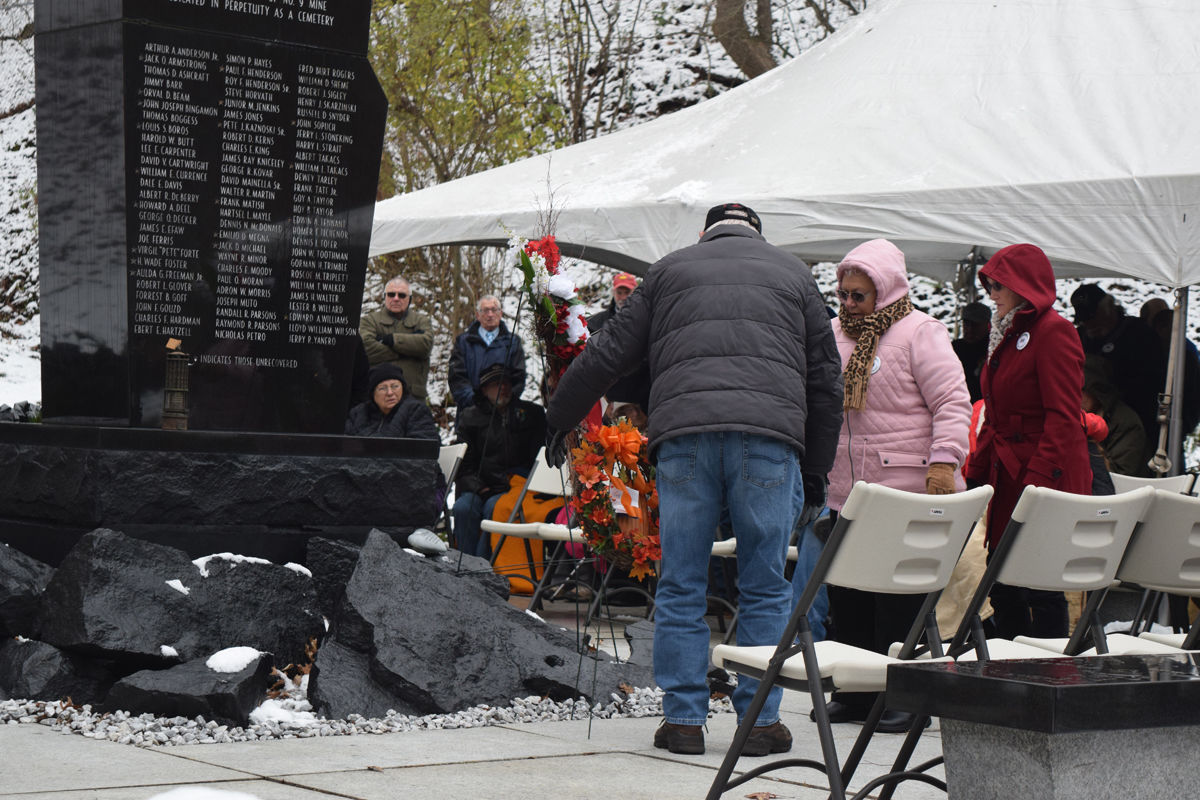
(449, 457)
(902, 542)
(1181, 484)
(1164, 553)
(544, 479)
(1066, 542)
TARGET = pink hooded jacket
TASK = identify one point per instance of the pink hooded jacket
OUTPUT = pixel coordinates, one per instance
(918, 411)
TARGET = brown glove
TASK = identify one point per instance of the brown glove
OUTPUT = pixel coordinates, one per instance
(940, 479)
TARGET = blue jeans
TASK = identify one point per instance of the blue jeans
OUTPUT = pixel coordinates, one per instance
(469, 511)
(755, 477)
(809, 548)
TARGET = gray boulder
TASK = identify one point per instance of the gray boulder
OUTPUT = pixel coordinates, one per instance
(126, 599)
(193, 689)
(22, 579)
(440, 643)
(38, 671)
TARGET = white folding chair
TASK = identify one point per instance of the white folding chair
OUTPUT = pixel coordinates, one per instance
(1058, 542)
(1181, 484)
(885, 540)
(1151, 601)
(450, 457)
(1164, 556)
(543, 479)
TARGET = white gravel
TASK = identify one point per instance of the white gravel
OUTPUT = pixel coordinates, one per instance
(297, 721)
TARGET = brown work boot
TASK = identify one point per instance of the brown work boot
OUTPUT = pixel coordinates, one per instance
(775, 738)
(683, 739)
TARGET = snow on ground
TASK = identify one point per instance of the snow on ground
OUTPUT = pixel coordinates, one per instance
(21, 366)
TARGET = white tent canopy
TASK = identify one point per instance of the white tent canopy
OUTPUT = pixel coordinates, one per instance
(938, 124)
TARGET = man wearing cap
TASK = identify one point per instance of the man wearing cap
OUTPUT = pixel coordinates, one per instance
(399, 334)
(486, 343)
(503, 437)
(971, 348)
(634, 388)
(745, 395)
(1138, 365)
(623, 285)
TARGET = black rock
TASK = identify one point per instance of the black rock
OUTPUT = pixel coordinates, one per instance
(110, 598)
(122, 598)
(22, 579)
(349, 688)
(640, 636)
(441, 644)
(474, 568)
(39, 671)
(271, 607)
(192, 689)
(332, 562)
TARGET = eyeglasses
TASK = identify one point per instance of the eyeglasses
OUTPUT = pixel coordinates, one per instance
(401, 295)
(489, 310)
(395, 387)
(990, 285)
(856, 296)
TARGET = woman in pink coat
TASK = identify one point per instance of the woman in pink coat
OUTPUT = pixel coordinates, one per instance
(1031, 436)
(906, 417)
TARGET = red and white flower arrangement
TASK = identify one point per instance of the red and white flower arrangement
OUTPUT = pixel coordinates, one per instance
(558, 321)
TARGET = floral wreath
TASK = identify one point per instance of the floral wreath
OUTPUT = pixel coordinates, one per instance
(557, 319)
(613, 459)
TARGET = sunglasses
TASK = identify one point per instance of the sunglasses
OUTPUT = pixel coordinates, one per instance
(858, 297)
(989, 285)
(401, 295)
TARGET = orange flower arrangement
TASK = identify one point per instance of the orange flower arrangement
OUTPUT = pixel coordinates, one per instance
(614, 456)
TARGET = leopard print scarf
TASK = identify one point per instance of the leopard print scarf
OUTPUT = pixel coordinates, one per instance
(866, 332)
(1000, 326)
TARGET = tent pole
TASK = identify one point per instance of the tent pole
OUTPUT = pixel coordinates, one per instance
(1168, 407)
(1179, 349)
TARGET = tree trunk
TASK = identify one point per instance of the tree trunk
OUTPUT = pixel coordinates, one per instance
(750, 50)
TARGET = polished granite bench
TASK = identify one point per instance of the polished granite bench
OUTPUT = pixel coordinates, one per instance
(1079, 729)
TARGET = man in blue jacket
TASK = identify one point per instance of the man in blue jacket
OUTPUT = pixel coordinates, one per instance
(487, 342)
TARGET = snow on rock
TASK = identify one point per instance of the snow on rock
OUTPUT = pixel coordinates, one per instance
(168, 651)
(232, 659)
(300, 568)
(178, 586)
(234, 559)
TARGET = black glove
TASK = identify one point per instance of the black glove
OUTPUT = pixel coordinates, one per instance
(556, 447)
(814, 497)
(388, 340)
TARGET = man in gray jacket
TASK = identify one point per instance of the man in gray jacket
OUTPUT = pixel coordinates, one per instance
(745, 397)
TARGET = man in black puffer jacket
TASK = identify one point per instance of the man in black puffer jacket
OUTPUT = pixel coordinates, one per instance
(390, 410)
(746, 393)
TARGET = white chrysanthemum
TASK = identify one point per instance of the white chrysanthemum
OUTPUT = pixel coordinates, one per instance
(561, 286)
(576, 327)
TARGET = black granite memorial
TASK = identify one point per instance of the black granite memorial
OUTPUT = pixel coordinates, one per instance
(1060, 728)
(206, 174)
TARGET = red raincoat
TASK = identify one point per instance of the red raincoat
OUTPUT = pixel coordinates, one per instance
(1031, 433)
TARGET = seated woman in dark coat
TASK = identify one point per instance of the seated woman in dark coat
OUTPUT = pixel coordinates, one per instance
(391, 411)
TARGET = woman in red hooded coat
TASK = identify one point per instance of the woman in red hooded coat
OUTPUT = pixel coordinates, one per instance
(1031, 436)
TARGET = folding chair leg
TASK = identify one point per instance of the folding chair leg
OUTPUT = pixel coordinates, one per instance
(557, 556)
(905, 754)
(864, 738)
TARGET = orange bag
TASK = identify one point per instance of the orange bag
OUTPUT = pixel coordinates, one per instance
(522, 567)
